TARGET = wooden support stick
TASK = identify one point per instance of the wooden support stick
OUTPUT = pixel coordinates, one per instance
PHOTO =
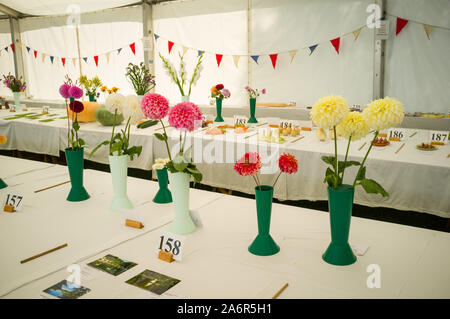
(42, 254)
(43, 189)
(360, 148)
(250, 135)
(280, 291)
(399, 148)
(297, 139)
(413, 134)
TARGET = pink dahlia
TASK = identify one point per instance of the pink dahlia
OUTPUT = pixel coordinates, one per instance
(76, 106)
(64, 90)
(154, 106)
(185, 116)
(75, 92)
(288, 163)
(248, 165)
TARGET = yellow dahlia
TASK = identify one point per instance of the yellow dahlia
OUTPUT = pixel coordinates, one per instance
(383, 113)
(329, 111)
(354, 125)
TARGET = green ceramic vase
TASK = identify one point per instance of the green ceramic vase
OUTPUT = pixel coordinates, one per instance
(179, 185)
(163, 196)
(3, 184)
(340, 202)
(264, 245)
(219, 117)
(75, 164)
(252, 118)
(91, 98)
(119, 172)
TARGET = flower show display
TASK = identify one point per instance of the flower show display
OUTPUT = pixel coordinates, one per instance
(252, 95)
(91, 86)
(140, 78)
(219, 93)
(163, 196)
(180, 77)
(249, 165)
(16, 85)
(332, 112)
(75, 145)
(119, 152)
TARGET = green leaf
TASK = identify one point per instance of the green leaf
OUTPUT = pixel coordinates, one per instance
(372, 187)
(179, 164)
(97, 147)
(361, 174)
(341, 165)
(76, 126)
(329, 160)
(329, 177)
(81, 142)
(195, 173)
(115, 147)
(161, 137)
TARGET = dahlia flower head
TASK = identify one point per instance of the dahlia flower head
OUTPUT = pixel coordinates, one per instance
(132, 109)
(154, 106)
(64, 91)
(354, 125)
(76, 106)
(160, 163)
(185, 116)
(288, 163)
(75, 92)
(329, 111)
(383, 113)
(115, 102)
(249, 164)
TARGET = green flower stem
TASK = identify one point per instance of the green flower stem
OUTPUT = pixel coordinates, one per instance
(112, 134)
(365, 157)
(165, 141)
(336, 158)
(68, 124)
(346, 154)
(276, 180)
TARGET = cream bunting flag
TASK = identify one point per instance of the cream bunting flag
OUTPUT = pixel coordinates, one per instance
(356, 34)
(43, 56)
(185, 50)
(292, 53)
(107, 56)
(236, 59)
(74, 62)
(428, 28)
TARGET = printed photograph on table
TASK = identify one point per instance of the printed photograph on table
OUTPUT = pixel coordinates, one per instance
(112, 265)
(67, 290)
(153, 281)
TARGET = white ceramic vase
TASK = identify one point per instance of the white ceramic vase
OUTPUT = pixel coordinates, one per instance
(119, 172)
(179, 186)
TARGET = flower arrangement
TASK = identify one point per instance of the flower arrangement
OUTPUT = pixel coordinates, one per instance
(333, 112)
(219, 92)
(253, 93)
(13, 83)
(119, 144)
(69, 90)
(160, 163)
(181, 80)
(184, 117)
(140, 77)
(110, 91)
(90, 85)
(250, 164)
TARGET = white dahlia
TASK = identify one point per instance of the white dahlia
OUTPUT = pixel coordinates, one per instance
(115, 101)
(355, 125)
(329, 111)
(383, 113)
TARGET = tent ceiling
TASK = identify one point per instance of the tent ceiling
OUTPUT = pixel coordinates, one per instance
(57, 7)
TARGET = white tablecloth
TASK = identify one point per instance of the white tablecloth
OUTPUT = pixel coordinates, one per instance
(47, 220)
(216, 263)
(416, 180)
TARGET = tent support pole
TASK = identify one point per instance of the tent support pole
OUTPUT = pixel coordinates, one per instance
(147, 24)
(249, 42)
(378, 60)
(17, 53)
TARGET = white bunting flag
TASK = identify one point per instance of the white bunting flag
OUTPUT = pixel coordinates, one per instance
(356, 34)
(428, 28)
(236, 59)
(292, 53)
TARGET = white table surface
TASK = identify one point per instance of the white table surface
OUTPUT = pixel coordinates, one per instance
(216, 263)
(416, 180)
(47, 220)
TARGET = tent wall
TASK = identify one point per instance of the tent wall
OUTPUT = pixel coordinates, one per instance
(416, 69)
(6, 58)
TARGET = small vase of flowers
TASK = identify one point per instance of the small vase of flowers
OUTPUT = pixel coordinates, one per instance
(219, 93)
(91, 86)
(140, 78)
(252, 95)
(16, 85)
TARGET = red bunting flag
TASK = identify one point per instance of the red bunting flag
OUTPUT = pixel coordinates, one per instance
(170, 43)
(273, 58)
(133, 48)
(63, 60)
(400, 25)
(12, 47)
(219, 59)
(35, 54)
(336, 42)
(96, 60)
